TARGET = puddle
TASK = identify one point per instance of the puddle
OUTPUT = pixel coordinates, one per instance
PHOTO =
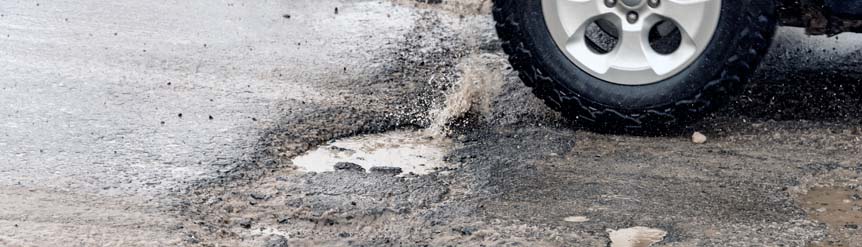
(413, 151)
(840, 208)
(636, 237)
(576, 219)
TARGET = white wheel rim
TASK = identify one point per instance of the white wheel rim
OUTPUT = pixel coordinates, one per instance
(632, 61)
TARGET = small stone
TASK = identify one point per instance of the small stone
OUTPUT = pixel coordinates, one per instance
(258, 196)
(340, 149)
(851, 226)
(276, 241)
(467, 231)
(245, 223)
(856, 197)
(576, 219)
(387, 170)
(347, 166)
(192, 239)
(820, 210)
(283, 220)
(698, 138)
(344, 235)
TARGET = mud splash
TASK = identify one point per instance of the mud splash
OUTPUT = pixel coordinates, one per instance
(636, 237)
(467, 105)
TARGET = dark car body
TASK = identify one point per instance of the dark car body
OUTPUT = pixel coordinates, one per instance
(829, 17)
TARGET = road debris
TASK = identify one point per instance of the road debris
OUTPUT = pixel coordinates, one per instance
(576, 219)
(698, 138)
(636, 237)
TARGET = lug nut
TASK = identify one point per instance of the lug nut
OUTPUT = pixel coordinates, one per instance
(610, 3)
(653, 3)
(632, 17)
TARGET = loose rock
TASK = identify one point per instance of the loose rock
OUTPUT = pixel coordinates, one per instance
(245, 223)
(276, 241)
(258, 196)
(467, 231)
(386, 170)
(347, 166)
(698, 138)
(576, 219)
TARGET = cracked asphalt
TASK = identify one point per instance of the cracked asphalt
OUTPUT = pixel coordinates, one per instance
(129, 123)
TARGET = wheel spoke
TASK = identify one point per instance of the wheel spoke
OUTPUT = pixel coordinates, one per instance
(568, 22)
(575, 15)
(689, 16)
(632, 51)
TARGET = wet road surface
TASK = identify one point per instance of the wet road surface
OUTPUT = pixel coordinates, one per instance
(94, 149)
(127, 102)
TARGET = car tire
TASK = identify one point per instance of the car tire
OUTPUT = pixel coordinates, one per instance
(742, 35)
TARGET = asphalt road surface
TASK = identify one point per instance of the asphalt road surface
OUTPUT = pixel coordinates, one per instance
(174, 123)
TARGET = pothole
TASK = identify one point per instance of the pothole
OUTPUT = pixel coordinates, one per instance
(840, 208)
(636, 237)
(413, 151)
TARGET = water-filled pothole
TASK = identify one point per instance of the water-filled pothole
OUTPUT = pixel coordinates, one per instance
(413, 151)
(840, 208)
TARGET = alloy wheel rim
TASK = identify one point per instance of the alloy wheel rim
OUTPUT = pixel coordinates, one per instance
(633, 58)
